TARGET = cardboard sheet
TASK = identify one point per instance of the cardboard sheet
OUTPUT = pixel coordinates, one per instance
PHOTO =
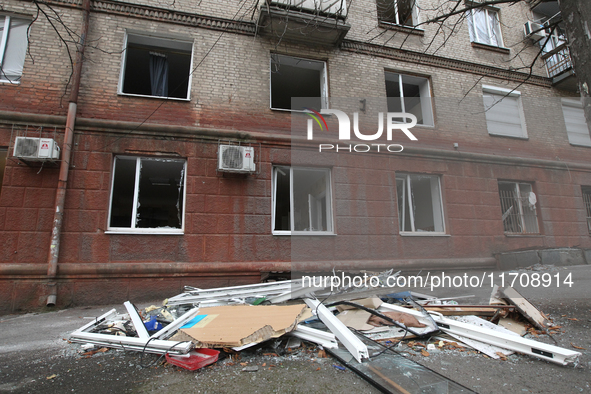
(238, 325)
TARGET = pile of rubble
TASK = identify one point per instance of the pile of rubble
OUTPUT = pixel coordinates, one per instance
(361, 330)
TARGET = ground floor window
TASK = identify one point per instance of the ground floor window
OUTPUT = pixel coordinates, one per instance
(420, 208)
(518, 208)
(147, 194)
(587, 201)
(301, 200)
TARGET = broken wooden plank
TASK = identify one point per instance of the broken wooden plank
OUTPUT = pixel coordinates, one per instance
(529, 311)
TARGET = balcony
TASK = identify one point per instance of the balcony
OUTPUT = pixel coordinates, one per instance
(319, 22)
(560, 68)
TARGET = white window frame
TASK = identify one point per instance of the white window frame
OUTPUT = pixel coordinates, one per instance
(153, 37)
(576, 137)
(407, 195)
(293, 61)
(415, 14)
(426, 102)
(474, 36)
(4, 46)
(498, 95)
(136, 230)
(520, 208)
(328, 199)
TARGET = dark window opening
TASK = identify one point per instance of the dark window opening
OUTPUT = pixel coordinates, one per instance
(398, 12)
(293, 77)
(150, 196)
(157, 67)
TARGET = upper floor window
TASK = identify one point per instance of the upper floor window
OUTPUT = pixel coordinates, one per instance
(411, 94)
(155, 66)
(147, 195)
(301, 200)
(504, 112)
(398, 12)
(576, 125)
(296, 77)
(484, 26)
(13, 47)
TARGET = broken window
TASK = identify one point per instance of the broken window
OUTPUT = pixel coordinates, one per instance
(518, 208)
(13, 47)
(410, 94)
(154, 66)
(301, 200)
(147, 193)
(503, 112)
(420, 208)
(398, 12)
(576, 125)
(294, 77)
(484, 26)
(587, 202)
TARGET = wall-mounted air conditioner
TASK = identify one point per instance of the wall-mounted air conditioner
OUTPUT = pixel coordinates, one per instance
(235, 158)
(533, 30)
(36, 149)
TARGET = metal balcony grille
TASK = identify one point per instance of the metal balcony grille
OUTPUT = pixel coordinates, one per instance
(558, 61)
(518, 209)
(587, 202)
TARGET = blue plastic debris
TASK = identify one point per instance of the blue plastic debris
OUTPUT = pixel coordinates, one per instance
(153, 324)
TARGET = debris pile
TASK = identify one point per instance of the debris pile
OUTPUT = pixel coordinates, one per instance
(363, 331)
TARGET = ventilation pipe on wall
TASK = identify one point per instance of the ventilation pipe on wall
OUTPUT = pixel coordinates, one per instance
(60, 196)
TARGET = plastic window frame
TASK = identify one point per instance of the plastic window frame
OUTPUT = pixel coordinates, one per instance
(133, 229)
(328, 197)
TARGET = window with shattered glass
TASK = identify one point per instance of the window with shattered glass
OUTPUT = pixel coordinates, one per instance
(420, 208)
(301, 200)
(147, 193)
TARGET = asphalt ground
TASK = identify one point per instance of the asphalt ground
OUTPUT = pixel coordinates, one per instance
(36, 356)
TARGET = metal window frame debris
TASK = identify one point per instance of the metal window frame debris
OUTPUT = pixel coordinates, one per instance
(322, 338)
(176, 324)
(157, 346)
(516, 343)
(136, 320)
(229, 293)
(347, 338)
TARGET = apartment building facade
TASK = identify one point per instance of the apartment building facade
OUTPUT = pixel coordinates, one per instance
(154, 202)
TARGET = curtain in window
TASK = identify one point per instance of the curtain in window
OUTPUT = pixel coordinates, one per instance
(15, 52)
(159, 74)
(495, 29)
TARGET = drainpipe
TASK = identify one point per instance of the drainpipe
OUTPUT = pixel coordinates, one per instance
(60, 196)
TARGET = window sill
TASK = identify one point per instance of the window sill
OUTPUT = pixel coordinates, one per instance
(154, 97)
(580, 145)
(305, 233)
(493, 48)
(8, 81)
(517, 137)
(423, 234)
(401, 28)
(154, 231)
(520, 235)
(296, 110)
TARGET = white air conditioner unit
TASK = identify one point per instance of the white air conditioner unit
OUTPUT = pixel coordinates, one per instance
(234, 158)
(36, 149)
(533, 30)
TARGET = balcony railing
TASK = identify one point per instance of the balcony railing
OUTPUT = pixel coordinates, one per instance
(558, 60)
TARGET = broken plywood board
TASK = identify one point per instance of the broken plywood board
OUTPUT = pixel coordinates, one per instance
(239, 325)
(513, 325)
(529, 311)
